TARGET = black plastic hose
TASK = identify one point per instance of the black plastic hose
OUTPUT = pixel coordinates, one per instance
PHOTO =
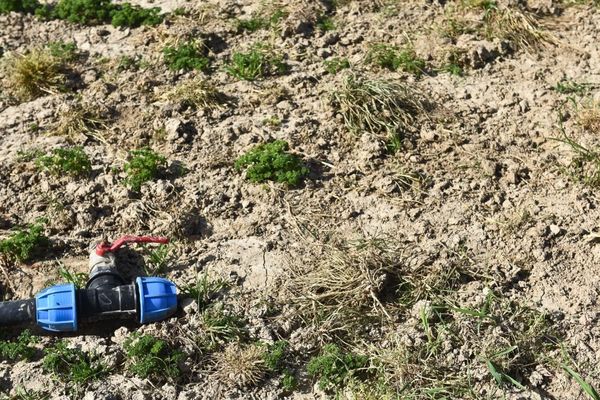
(18, 312)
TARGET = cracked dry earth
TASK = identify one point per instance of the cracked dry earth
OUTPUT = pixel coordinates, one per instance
(480, 185)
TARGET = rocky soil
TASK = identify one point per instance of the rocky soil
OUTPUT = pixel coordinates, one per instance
(486, 186)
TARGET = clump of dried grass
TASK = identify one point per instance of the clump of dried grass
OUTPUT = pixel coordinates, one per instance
(33, 74)
(518, 27)
(242, 366)
(79, 119)
(197, 93)
(348, 285)
(588, 116)
(379, 105)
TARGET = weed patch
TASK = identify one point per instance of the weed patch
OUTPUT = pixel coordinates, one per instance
(256, 63)
(20, 349)
(70, 161)
(271, 161)
(395, 58)
(204, 290)
(378, 106)
(588, 116)
(585, 164)
(186, 56)
(25, 244)
(24, 6)
(79, 120)
(336, 64)
(150, 357)
(518, 27)
(34, 74)
(63, 51)
(334, 368)
(219, 328)
(144, 165)
(79, 279)
(72, 364)
(264, 19)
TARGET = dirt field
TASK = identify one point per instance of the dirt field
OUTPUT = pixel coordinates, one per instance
(453, 257)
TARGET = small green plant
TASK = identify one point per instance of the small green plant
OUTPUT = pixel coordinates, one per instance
(275, 355)
(186, 56)
(85, 12)
(257, 63)
(395, 58)
(150, 357)
(72, 364)
(204, 289)
(571, 87)
(20, 349)
(134, 16)
(220, 327)
(144, 165)
(34, 74)
(334, 368)
(585, 386)
(71, 161)
(79, 279)
(272, 161)
(325, 23)
(24, 6)
(157, 260)
(289, 381)
(63, 51)
(585, 165)
(25, 244)
(95, 12)
(336, 64)
(261, 20)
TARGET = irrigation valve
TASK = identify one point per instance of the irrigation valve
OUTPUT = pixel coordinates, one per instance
(59, 308)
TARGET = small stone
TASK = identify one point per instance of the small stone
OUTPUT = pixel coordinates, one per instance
(189, 306)
(555, 229)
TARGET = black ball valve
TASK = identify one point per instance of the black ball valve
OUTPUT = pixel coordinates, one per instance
(59, 308)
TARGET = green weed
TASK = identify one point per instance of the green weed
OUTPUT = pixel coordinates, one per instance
(79, 279)
(289, 381)
(336, 64)
(186, 56)
(325, 23)
(157, 260)
(257, 63)
(585, 164)
(71, 161)
(334, 368)
(20, 349)
(264, 19)
(571, 87)
(275, 355)
(63, 51)
(24, 6)
(134, 16)
(144, 165)
(25, 244)
(271, 161)
(395, 58)
(204, 289)
(150, 357)
(72, 364)
(585, 386)
(220, 327)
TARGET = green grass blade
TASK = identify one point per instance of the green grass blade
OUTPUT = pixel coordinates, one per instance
(586, 387)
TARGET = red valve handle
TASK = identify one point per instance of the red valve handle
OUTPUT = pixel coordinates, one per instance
(105, 247)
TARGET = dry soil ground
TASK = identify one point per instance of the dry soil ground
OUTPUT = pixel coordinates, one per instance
(482, 224)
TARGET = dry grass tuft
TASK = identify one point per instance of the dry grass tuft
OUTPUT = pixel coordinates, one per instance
(519, 27)
(197, 93)
(33, 74)
(588, 116)
(79, 120)
(242, 366)
(348, 286)
(379, 106)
